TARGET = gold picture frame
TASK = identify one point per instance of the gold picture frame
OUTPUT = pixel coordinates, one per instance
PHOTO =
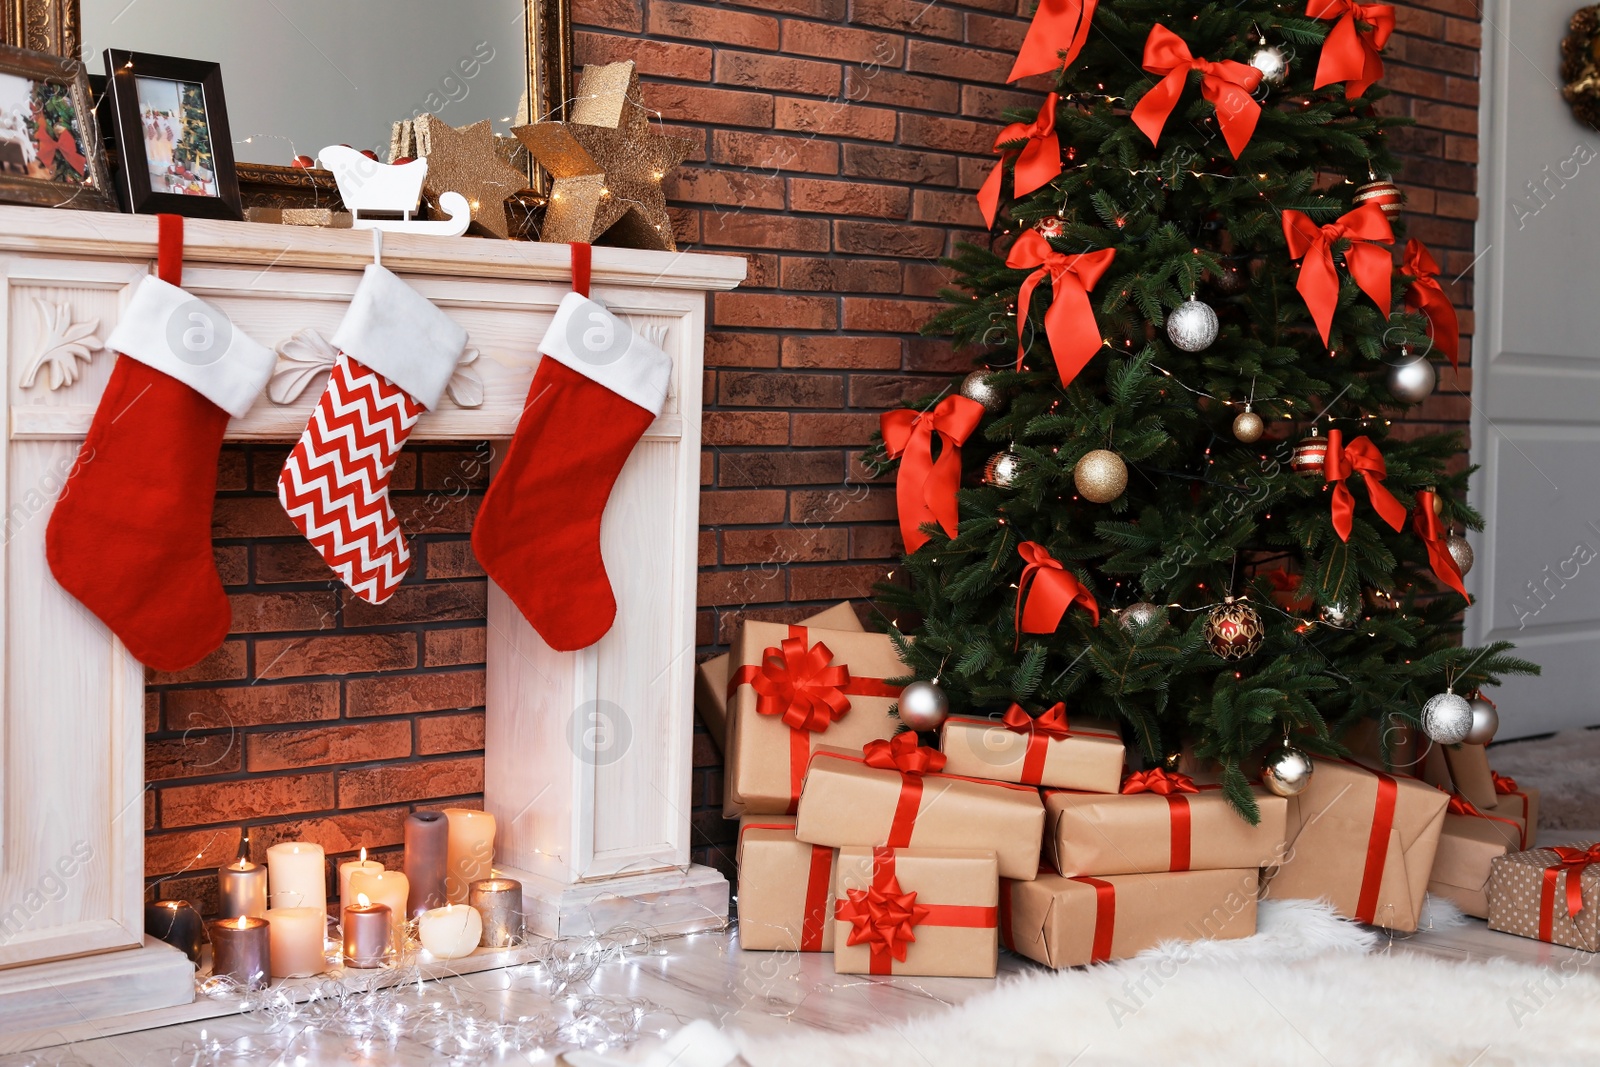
(51, 153)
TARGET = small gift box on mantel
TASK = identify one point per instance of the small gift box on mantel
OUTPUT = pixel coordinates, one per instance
(916, 911)
(1549, 894)
(785, 888)
(1472, 840)
(1046, 750)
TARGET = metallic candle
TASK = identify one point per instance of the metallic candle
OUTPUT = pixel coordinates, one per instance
(241, 948)
(427, 843)
(366, 932)
(242, 887)
(499, 901)
(177, 923)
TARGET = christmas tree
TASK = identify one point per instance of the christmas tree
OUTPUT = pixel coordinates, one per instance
(1182, 505)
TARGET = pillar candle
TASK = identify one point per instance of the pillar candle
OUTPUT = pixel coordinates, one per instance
(367, 932)
(389, 888)
(450, 932)
(242, 886)
(349, 867)
(499, 904)
(427, 842)
(471, 851)
(241, 950)
(297, 876)
(177, 923)
(296, 937)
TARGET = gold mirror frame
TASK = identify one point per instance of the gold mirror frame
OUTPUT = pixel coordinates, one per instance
(53, 26)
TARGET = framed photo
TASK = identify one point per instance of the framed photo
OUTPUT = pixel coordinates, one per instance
(50, 150)
(172, 136)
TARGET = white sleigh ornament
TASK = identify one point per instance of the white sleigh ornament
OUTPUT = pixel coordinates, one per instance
(365, 185)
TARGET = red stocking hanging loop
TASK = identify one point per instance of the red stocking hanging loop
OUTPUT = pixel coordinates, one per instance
(169, 249)
(580, 267)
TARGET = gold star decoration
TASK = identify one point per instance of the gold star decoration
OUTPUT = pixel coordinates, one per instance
(607, 164)
(467, 161)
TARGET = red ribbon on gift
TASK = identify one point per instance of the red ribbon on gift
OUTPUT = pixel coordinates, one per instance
(1069, 323)
(1365, 228)
(1051, 725)
(1227, 85)
(885, 917)
(1572, 861)
(1350, 54)
(1343, 461)
(1173, 786)
(1159, 780)
(1460, 805)
(1038, 160)
(1377, 843)
(1045, 591)
(1105, 917)
(925, 488)
(1504, 784)
(1427, 525)
(1058, 26)
(1426, 297)
(815, 917)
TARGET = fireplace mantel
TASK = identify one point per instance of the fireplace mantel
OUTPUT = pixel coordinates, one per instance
(587, 762)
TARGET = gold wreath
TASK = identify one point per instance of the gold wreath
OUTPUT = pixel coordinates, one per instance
(1580, 65)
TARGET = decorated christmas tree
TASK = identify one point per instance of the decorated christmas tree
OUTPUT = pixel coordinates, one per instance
(1173, 494)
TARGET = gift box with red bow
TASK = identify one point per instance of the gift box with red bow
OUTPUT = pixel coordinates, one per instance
(792, 689)
(1069, 922)
(890, 793)
(1472, 840)
(1549, 894)
(1047, 750)
(1160, 821)
(785, 888)
(1518, 802)
(916, 911)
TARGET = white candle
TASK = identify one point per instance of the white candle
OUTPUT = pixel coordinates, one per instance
(469, 854)
(385, 887)
(349, 867)
(296, 935)
(450, 932)
(297, 876)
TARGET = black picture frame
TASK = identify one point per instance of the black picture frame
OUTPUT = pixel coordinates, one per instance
(123, 70)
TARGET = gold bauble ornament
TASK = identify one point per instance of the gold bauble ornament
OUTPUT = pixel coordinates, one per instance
(1460, 551)
(1248, 427)
(1287, 771)
(1101, 476)
(1234, 630)
(1438, 501)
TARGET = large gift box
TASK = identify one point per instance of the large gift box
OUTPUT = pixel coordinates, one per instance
(785, 887)
(916, 911)
(1161, 821)
(1035, 751)
(1364, 841)
(1068, 922)
(1552, 894)
(792, 689)
(711, 677)
(889, 793)
(1472, 840)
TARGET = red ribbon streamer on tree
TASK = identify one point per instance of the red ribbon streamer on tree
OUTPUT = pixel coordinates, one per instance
(1227, 85)
(925, 488)
(1426, 297)
(885, 917)
(1350, 52)
(1069, 323)
(1344, 460)
(1366, 227)
(1038, 161)
(1045, 591)
(1573, 861)
(1058, 26)
(1426, 523)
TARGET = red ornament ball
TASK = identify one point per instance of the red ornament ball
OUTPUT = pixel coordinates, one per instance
(1049, 227)
(1383, 192)
(1310, 457)
(304, 162)
(1234, 630)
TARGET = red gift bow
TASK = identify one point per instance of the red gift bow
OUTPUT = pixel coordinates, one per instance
(1171, 785)
(902, 753)
(1159, 780)
(1350, 53)
(1366, 227)
(1051, 725)
(1426, 523)
(885, 917)
(1504, 784)
(1573, 861)
(1426, 298)
(1227, 85)
(1069, 323)
(49, 145)
(1037, 162)
(818, 880)
(1058, 26)
(1344, 460)
(1045, 591)
(925, 488)
(1460, 805)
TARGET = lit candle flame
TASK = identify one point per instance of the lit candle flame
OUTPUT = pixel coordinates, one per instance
(362, 901)
(363, 854)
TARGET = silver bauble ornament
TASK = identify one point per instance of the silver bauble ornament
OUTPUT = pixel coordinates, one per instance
(1485, 721)
(1002, 469)
(1101, 476)
(1287, 771)
(1234, 630)
(1412, 382)
(1460, 551)
(1336, 614)
(1272, 63)
(1193, 326)
(976, 386)
(1248, 427)
(1139, 615)
(923, 706)
(1447, 718)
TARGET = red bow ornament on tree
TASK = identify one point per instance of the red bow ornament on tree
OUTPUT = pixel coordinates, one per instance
(1426, 297)
(1344, 460)
(1038, 159)
(902, 753)
(1350, 53)
(1069, 322)
(882, 917)
(925, 488)
(1365, 228)
(1228, 85)
(797, 684)
(1058, 26)
(1426, 523)
(1159, 780)
(1045, 591)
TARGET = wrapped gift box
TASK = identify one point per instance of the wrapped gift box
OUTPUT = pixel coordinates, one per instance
(1044, 751)
(1470, 843)
(1186, 828)
(1068, 922)
(916, 911)
(792, 689)
(785, 888)
(848, 802)
(711, 677)
(1470, 774)
(1549, 894)
(1364, 841)
(1517, 802)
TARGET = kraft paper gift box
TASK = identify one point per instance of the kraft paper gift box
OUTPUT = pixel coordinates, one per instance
(1167, 824)
(1549, 894)
(1069, 922)
(793, 689)
(849, 802)
(1470, 774)
(711, 677)
(1518, 803)
(1047, 751)
(1472, 840)
(785, 888)
(916, 912)
(1362, 840)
